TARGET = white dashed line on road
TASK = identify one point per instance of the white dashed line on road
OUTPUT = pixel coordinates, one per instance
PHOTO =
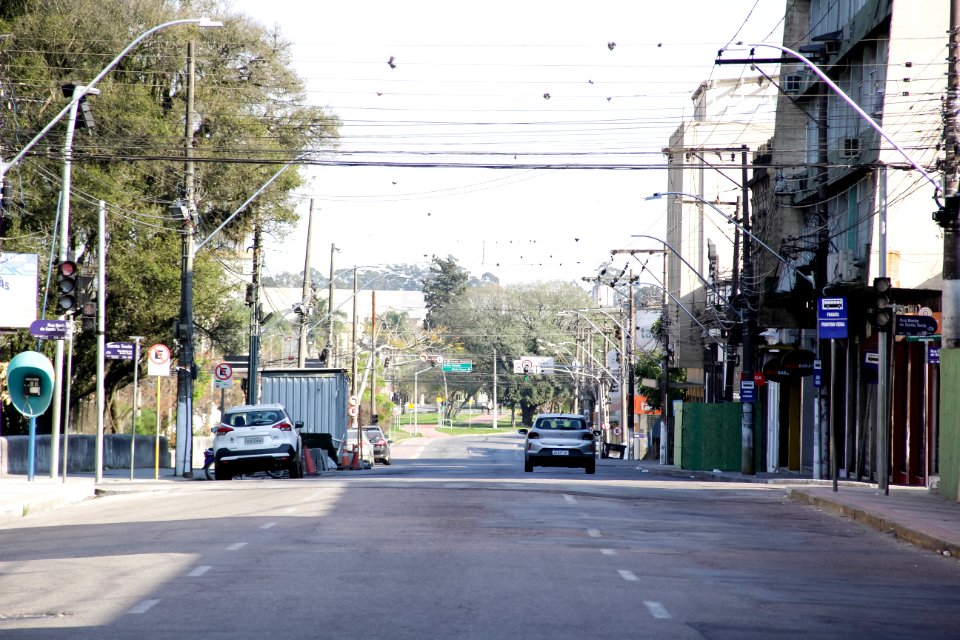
(593, 533)
(629, 576)
(199, 571)
(608, 552)
(570, 499)
(289, 509)
(657, 610)
(236, 546)
(268, 525)
(143, 607)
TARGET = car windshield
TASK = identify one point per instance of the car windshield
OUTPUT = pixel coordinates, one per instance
(561, 424)
(255, 417)
(373, 433)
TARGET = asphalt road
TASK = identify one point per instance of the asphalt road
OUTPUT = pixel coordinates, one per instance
(454, 540)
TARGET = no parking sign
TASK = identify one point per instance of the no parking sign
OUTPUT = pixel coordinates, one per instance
(158, 360)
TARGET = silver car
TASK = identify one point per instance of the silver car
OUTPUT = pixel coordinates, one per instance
(559, 440)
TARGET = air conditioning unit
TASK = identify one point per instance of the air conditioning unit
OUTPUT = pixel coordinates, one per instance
(850, 148)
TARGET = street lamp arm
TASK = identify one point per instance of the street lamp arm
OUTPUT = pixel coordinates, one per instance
(853, 105)
(657, 196)
(87, 88)
(697, 273)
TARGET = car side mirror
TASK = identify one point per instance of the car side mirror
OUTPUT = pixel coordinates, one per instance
(522, 432)
(298, 424)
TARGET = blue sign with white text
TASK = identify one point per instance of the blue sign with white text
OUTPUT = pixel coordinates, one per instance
(831, 318)
(119, 351)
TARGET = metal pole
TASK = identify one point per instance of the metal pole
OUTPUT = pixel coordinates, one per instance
(353, 340)
(101, 333)
(254, 359)
(156, 442)
(305, 295)
(330, 362)
(883, 391)
(830, 423)
(66, 416)
(373, 356)
(494, 388)
(55, 410)
(416, 402)
(133, 422)
(747, 466)
(951, 226)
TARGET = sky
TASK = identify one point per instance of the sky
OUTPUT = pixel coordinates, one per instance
(525, 87)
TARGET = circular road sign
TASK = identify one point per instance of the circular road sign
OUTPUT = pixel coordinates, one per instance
(353, 410)
(354, 401)
(616, 431)
(223, 371)
(396, 411)
(159, 354)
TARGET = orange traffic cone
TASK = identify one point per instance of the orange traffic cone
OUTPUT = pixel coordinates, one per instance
(308, 460)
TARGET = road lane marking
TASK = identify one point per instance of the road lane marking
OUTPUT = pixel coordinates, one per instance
(608, 552)
(657, 610)
(290, 510)
(236, 546)
(593, 533)
(570, 499)
(629, 576)
(143, 607)
(268, 525)
(199, 571)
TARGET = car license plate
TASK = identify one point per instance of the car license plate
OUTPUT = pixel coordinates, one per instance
(561, 452)
(257, 440)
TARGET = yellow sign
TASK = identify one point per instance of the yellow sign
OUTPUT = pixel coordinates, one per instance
(439, 400)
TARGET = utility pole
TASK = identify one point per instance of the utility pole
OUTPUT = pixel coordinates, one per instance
(731, 347)
(253, 362)
(373, 356)
(306, 294)
(184, 460)
(822, 416)
(631, 376)
(494, 388)
(329, 347)
(748, 285)
(353, 340)
(949, 220)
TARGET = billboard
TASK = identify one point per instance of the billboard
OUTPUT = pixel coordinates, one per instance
(18, 290)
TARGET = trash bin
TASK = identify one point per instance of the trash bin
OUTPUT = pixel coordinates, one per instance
(614, 450)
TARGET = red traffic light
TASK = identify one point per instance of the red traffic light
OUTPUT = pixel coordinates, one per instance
(67, 268)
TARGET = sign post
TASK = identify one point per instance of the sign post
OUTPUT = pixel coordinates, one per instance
(158, 364)
(832, 324)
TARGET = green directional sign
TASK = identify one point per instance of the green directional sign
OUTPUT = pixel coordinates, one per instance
(457, 366)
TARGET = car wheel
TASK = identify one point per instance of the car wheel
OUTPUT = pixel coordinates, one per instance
(295, 469)
(386, 460)
(527, 466)
(222, 474)
(591, 467)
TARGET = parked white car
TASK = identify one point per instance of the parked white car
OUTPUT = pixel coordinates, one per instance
(253, 438)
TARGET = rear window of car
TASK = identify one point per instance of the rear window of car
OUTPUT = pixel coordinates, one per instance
(252, 418)
(373, 433)
(561, 424)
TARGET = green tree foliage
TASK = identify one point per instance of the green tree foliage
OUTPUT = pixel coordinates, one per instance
(446, 281)
(514, 321)
(251, 114)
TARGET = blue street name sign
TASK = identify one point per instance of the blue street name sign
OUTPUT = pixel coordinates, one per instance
(831, 318)
(119, 351)
(747, 391)
(49, 329)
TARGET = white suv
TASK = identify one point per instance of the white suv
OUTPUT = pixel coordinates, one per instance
(258, 437)
(559, 440)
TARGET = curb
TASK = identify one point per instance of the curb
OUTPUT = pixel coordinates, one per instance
(882, 524)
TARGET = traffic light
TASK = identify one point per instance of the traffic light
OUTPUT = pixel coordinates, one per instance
(881, 314)
(87, 303)
(67, 273)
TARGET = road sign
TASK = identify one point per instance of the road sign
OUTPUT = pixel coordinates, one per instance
(353, 410)
(747, 391)
(49, 329)
(354, 401)
(915, 325)
(458, 366)
(223, 376)
(534, 365)
(396, 411)
(119, 351)
(158, 360)
(831, 318)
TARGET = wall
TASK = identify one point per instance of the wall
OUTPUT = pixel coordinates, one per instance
(81, 453)
(949, 424)
(711, 438)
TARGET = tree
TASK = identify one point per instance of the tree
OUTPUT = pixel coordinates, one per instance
(514, 321)
(251, 113)
(445, 282)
